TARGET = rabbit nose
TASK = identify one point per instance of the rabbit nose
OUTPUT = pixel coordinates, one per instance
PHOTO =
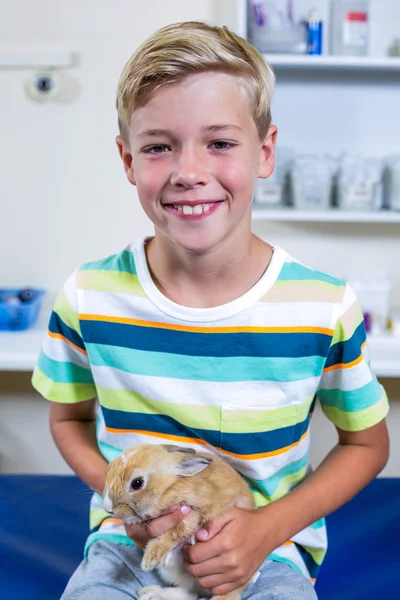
(107, 504)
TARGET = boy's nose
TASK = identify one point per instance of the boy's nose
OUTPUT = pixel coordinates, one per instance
(190, 170)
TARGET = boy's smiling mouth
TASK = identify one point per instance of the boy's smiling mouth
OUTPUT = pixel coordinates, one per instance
(193, 210)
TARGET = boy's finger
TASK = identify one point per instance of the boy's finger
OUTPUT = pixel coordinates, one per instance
(141, 533)
(206, 568)
(203, 552)
(209, 530)
(161, 525)
(138, 534)
(168, 511)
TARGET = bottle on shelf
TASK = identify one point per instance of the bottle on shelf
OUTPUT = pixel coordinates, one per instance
(314, 32)
(349, 27)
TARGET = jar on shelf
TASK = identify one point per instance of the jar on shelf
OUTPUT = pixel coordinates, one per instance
(391, 183)
(311, 182)
(349, 27)
(271, 193)
(359, 183)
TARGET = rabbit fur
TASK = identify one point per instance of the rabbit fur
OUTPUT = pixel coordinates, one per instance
(148, 478)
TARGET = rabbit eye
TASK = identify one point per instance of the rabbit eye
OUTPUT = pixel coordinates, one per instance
(137, 484)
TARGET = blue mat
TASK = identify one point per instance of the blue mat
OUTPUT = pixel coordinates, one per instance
(44, 521)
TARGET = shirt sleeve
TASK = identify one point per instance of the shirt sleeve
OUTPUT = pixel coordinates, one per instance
(349, 392)
(63, 373)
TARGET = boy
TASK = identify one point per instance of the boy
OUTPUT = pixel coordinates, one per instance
(206, 335)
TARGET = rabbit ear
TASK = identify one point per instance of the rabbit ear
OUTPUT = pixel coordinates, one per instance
(191, 464)
(170, 448)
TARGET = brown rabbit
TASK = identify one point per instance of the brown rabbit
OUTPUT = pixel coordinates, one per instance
(146, 479)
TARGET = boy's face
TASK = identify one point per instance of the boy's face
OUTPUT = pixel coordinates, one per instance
(194, 155)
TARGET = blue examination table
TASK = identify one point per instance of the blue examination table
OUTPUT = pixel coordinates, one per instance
(44, 521)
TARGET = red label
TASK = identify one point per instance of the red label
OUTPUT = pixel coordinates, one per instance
(361, 17)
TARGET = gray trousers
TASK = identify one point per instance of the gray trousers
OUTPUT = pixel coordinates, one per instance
(112, 572)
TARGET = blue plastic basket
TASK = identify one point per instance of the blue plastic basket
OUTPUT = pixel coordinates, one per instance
(16, 317)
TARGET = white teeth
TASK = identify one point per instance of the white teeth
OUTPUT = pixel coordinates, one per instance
(198, 209)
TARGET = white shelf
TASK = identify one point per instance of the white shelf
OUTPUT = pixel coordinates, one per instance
(44, 60)
(385, 355)
(332, 63)
(19, 349)
(327, 216)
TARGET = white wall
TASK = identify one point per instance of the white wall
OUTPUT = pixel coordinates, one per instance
(64, 198)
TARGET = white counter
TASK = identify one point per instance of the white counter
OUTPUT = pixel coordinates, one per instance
(19, 349)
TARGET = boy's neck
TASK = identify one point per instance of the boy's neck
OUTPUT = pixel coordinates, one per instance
(207, 280)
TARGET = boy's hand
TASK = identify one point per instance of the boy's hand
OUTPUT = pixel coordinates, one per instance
(153, 528)
(236, 545)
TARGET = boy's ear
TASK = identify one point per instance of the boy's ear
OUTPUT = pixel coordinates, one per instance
(126, 159)
(267, 159)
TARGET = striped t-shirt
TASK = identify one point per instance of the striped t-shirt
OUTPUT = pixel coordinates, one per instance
(240, 379)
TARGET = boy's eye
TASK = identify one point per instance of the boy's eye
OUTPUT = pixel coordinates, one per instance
(156, 149)
(221, 145)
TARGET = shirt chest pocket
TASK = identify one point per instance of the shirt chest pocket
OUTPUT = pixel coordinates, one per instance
(260, 439)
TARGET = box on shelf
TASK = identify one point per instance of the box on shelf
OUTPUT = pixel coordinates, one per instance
(272, 28)
(359, 183)
(311, 182)
(19, 308)
(350, 27)
(391, 182)
(272, 193)
(317, 182)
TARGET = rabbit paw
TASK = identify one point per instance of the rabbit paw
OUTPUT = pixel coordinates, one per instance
(152, 592)
(155, 592)
(154, 556)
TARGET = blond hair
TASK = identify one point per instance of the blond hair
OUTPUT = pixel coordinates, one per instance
(176, 51)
